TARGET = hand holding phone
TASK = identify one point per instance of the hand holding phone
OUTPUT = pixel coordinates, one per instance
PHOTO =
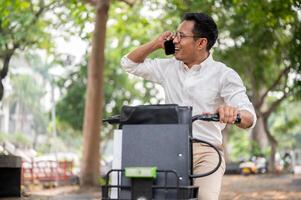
(169, 47)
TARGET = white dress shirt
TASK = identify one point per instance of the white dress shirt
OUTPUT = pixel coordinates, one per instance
(204, 87)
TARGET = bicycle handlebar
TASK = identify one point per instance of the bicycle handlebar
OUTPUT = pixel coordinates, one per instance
(204, 117)
(213, 117)
(113, 119)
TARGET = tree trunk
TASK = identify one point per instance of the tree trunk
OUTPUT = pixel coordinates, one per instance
(259, 134)
(262, 136)
(273, 143)
(272, 160)
(90, 168)
(4, 71)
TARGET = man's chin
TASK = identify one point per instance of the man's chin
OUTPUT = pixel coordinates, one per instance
(177, 56)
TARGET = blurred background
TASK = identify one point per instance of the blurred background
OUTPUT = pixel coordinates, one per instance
(45, 51)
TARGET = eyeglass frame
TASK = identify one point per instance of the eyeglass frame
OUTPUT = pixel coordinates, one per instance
(180, 36)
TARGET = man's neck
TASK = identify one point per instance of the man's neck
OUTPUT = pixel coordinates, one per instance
(199, 60)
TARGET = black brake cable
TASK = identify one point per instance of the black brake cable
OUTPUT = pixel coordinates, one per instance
(210, 117)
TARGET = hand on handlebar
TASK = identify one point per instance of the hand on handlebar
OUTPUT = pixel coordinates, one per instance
(213, 118)
(227, 114)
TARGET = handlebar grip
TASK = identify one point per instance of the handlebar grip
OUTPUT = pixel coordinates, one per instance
(213, 117)
(112, 120)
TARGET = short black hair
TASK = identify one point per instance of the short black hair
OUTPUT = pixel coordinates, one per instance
(204, 26)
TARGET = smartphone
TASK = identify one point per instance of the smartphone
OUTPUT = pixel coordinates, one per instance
(169, 47)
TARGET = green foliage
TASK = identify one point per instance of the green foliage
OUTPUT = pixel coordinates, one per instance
(26, 90)
(27, 24)
(71, 108)
(26, 95)
(74, 17)
(22, 25)
(119, 89)
(102, 181)
(72, 139)
(257, 38)
(285, 124)
(239, 144)
(18, 139)
(241, 147)
(262, 34)
(255, 149)
(3, 137)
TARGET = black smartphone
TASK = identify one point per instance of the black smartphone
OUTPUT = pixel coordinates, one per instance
(169, 47)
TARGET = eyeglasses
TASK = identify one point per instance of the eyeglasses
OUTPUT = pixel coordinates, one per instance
(180, 36)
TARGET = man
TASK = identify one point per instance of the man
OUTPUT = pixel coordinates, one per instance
(193, 78)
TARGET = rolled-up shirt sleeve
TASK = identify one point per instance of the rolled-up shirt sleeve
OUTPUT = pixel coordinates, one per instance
(234, 93)
(150, 69)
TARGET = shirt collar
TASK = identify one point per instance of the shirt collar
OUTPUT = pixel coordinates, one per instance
(203, 64)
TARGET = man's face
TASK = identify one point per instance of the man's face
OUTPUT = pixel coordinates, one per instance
(186, 47)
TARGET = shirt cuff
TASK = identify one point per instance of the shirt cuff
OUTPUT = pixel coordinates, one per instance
(126, 62)
(253, 114)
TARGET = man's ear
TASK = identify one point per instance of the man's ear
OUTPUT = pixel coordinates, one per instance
(202, 43)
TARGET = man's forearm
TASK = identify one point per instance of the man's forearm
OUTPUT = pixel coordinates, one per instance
(139, 54)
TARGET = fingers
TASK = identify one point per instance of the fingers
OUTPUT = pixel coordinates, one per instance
(159, 41)
(167, 35)
(171, 37)
(227, 114)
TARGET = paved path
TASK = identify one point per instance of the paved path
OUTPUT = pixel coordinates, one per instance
(63, 197)
(261, 187)
(61, 193)
(236, 187)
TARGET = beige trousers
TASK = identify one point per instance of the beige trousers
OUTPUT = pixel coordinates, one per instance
(205, 158)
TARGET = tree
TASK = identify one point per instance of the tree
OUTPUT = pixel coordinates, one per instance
(285, 125)
(93, 106)
(33, 25)
(265, 65)
(70, 108)
(42, 66)
(22, 26)
(94, 101)
(265, 39)
(120, 89)
(24, 101)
